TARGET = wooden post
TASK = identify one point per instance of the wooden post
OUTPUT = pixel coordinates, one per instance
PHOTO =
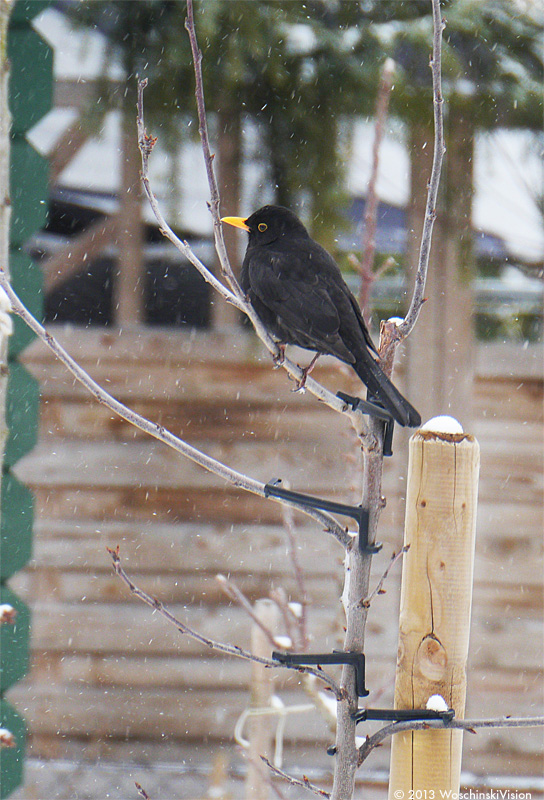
(435, 606)
(129, 289)
(262, 687)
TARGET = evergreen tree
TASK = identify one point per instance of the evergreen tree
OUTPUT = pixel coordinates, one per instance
(296, 70)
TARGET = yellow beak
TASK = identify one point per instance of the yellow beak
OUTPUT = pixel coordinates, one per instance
(238, 222)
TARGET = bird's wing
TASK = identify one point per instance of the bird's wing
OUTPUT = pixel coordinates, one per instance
(298, 297)
(362, 324)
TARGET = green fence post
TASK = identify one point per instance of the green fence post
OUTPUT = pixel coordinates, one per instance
(30, 93)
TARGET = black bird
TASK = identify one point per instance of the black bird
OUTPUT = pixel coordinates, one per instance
(298, 291)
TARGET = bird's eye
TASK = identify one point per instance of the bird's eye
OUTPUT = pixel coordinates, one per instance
(262, 226)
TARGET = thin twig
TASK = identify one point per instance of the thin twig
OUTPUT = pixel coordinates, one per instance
(379, 586)
(432, 193)
(236, 594)
(214, 204)
(289, 526)
(304, 782)
(221, 647)
(146, 144)
(470, 725)
(279, 596)
(141, 791)
(237, 479)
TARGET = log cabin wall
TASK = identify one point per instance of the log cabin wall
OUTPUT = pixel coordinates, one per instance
(112, 680)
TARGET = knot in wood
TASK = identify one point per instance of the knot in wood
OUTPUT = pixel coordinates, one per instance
(431, 659)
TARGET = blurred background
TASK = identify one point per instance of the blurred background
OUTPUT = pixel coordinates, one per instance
(292, 90)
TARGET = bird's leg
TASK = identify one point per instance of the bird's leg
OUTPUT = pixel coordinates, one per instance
(279, 359)
(305, 372)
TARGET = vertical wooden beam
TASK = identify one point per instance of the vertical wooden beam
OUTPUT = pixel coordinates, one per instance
(229, 150)
(129, 289)
(262, 687)
(436, 599)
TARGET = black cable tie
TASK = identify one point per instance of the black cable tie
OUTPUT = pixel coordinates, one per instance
(402, 715)
(373, 409)
(358, 513)
(356, 660)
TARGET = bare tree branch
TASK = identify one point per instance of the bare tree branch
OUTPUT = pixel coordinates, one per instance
(208, 158)
(470, 725)
(304, 783)
(221, 647)
(279, 596)
(379, 586)
(405, 328)
(157, 431)
(141, 791)
(236, 594)
(289, 525)
(146, 144)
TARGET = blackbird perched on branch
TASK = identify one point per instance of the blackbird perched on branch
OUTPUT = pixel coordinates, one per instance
(298, 292)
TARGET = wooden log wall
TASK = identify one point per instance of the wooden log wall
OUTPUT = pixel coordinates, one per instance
(113, 680)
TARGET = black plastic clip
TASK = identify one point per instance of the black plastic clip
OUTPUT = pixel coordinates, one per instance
(357, 661)
(373, 410)
(402, 715)
(358, 513)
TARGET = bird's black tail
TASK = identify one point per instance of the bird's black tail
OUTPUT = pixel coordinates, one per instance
(380, 387)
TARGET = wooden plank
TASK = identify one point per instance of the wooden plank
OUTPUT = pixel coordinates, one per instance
(193, 420)
(143, 505)
(494, 359)
(176, 713)
(203, 383)
(227, 418)
(150, 673)
(512, 399)
(130, 627)
(133, 628)
(321, 470)
(508, 526)
(90, 585)
(149, 463)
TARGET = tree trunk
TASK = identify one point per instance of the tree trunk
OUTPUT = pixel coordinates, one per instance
(440, 356)
(230, 187)
(356, 584)
(129, 286)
